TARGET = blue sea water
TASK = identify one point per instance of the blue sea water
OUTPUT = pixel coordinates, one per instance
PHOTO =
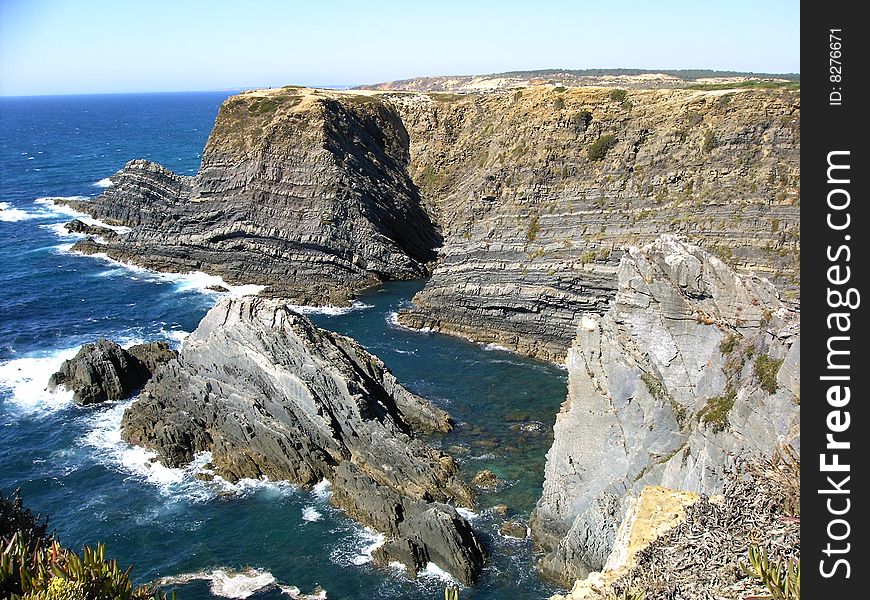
(70, 462)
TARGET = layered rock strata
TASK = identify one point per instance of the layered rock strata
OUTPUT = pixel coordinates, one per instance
(271, 395)
(298, 192)
(537, 190)
(692, 364)
(533, 192)
(104, 370)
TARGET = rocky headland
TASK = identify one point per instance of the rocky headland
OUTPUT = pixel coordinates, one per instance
(518, 202)
(692, 367)
(271, 395)
(536, 211)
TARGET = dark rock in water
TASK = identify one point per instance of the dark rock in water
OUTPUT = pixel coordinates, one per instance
(77, 226)
(217, 288)
(514, 529)
(270, 394)
(104, 371)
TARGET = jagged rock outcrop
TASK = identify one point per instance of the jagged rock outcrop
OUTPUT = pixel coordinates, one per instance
(317, 194)
(297, 191)
(104, 370)
(270, 394)
(691, 364)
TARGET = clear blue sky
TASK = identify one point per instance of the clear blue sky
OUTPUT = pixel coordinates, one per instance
(90, 46)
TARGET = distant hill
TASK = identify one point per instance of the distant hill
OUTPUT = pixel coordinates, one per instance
(625, 78)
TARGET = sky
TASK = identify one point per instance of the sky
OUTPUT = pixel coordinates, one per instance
(103, 46)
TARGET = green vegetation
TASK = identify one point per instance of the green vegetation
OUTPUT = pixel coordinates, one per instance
(782, 578)
(581, 119)
(559, 103)
(560, 88)
(532, 232)
(766, 369)
(618, 95)
(709, 140)
(33, 566)
(451, 593)
(752, 85)
(658, 391)
(598, 149)
(729, 343)
(716, 410)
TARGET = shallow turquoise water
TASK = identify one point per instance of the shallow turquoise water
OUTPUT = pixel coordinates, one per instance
(69, 461)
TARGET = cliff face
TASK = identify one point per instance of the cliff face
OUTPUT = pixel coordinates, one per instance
(269, 394)
(299, 192)
(530, 194)
(692, 363)
(537, 190)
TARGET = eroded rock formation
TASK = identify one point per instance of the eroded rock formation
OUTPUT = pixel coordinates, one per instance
(692, 363)
(269, 394)
(104, 370)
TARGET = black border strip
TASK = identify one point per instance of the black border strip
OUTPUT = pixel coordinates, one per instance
(832, 132)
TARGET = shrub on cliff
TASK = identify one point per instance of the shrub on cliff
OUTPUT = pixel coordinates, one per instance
(599, 147)
(34, 566)
(618, 95)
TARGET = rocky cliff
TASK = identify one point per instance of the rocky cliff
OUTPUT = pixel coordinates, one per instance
(691, 364)
(297, 191)
(528, 193)
(537, 191)
(269, 394)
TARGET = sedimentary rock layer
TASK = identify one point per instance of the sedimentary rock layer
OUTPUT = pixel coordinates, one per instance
(537, 190)
(691, 365)
(270, 394)
(298, 192)
(530, 195)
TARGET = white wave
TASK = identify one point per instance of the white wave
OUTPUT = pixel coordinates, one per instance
(393, 319)
(433, 571)
(311, 514)
(322, 490)
(10, 214)
(329, 310)
(193, 281)
(203, 282)
(49, 203)
(495, 347)
(468, 515)
(372, 540)
(105, 182)
(397, 566)
(176, 337)
(27, 380)
(227, 583)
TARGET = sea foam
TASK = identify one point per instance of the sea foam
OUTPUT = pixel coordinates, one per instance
(27, 380)
(242, 583)
(105, 182)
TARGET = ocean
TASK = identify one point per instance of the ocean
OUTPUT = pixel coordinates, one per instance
(210, 539)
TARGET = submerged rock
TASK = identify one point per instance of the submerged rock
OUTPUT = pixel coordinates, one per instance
(270, 394)
(691, 365)
(104, 370)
